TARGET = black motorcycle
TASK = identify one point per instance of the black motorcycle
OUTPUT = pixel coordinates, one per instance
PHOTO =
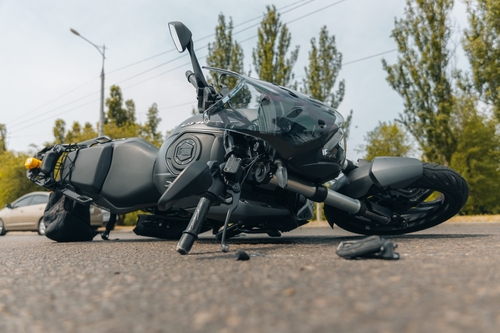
(254, 160)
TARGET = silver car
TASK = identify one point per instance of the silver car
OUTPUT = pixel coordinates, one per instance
(26, 214)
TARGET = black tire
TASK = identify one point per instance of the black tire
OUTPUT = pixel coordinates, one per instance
(2, 228)
(438, 195)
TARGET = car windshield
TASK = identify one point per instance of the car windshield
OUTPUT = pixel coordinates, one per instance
(260, 107)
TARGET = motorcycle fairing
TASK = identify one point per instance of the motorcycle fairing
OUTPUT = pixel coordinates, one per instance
(291, 121)
(381, 172)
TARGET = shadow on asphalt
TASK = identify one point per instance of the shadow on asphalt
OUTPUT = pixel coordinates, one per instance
(438, 236)
(336, 239)
(305, 239)
(252, 252)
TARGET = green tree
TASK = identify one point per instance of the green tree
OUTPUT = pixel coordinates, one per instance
(120, 121)
(325, 63)
(14, 182)
(130, 111)
(225, 52)
(88, 132)
(481, 43)
(421, 76)
(13, 177)
(3, 138)
(270, 56)
(59, 132)
(478, 152)
(127, 131)
(79, 134)
(118, 114)
(387, 139)
(73, 135)
(150, 129)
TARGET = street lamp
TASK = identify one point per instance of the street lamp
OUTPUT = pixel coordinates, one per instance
(101, 113)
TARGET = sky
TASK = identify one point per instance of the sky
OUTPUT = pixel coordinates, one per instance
(46, 72)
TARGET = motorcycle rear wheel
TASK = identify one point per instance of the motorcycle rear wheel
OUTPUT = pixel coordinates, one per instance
(435, 197)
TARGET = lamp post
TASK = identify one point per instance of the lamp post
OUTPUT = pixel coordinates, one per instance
(101, 113)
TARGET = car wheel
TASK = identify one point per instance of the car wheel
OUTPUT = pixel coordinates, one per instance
(41, 227)
(2, 228)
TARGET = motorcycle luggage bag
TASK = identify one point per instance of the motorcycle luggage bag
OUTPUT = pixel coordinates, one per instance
(116, 174)
(66, 220)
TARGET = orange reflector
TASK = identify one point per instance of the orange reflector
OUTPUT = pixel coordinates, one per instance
(32, 163)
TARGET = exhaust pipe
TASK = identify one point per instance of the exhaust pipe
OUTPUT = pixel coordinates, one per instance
(330, 197)
(321, 194)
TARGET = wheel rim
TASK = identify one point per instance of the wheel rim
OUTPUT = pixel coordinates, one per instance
(1, 227)
(416, 206)
(432, 199)
(41, 228)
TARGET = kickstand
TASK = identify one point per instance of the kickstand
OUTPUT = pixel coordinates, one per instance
(109, 226)
(234, 204)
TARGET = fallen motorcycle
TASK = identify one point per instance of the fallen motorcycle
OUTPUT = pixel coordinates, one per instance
(254, 160)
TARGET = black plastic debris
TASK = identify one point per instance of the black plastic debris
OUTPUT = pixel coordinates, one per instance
(372, 247)
(242, 255)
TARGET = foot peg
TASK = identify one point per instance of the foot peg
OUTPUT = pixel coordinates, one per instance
(370, 247)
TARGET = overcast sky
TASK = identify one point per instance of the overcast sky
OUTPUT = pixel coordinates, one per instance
(46, 72)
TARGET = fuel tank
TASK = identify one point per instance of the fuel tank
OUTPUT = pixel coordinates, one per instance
(191, 141)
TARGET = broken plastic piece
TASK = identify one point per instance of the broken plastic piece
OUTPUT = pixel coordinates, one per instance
(242, 255)
(369, 247)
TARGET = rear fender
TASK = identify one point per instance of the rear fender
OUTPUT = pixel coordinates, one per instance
(382, 172)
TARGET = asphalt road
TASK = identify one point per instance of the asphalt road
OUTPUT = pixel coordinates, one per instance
(447, 280)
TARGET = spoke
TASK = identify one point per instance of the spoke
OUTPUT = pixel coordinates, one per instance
(413, 204)
(421, 209)
(417, 196)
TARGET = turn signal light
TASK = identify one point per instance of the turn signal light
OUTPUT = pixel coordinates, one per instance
(32, 163)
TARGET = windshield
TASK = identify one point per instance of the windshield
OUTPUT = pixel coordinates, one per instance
(260, 108)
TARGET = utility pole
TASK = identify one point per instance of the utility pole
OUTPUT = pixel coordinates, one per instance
(101, 113)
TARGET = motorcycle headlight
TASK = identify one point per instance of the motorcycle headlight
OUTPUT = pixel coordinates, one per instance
(332, 149)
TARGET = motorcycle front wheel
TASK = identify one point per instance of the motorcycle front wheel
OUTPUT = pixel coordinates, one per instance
(435, 197)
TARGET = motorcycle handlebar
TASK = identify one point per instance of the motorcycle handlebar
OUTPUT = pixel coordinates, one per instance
(191, 78)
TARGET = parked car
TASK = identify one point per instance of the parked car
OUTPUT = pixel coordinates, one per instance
(26, 214)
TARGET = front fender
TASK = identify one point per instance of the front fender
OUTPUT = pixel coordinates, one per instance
(381, 172)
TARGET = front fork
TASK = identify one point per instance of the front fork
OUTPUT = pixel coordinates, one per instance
(211, 196)
(330, 197)
(218, 193)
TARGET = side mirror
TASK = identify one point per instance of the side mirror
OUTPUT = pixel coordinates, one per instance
(181, 35)
(183, 40)
(9, 206)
